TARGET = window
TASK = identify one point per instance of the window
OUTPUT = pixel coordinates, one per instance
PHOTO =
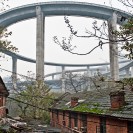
(75, 117)
(57, 114)
(63, 122)
(83, 128)
(52, 112)
(1, 101)
(84, 120)
(130, 126)
(97, 129)
(63, 115)
(69, 119)
(102, 125)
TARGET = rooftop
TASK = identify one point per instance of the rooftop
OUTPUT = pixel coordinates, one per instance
(97, 102)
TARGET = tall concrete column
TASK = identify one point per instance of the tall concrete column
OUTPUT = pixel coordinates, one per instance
(40, 44)
(113, 47)
(14, 72)
(88, 75)
(127, 72)
(63, 79)
(131, 71)
(52, 77)
(106, 69)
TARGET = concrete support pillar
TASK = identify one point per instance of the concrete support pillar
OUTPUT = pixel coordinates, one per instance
(88, 75)
(131, 71)
(52, 77)
(127, 72)
(63, 79)
(106, 69)
(14, 72)
(40, 44)
(113, 47)
(88, 71)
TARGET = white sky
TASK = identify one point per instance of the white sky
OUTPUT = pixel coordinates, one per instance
(24, 38)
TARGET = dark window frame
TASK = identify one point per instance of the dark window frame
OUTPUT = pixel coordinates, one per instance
(102, 125)
(57, 115)
(75, 117)
(63, 115)
(84, 120)
(70, 123)
(130, 126)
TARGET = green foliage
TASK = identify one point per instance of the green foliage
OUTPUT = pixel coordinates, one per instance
(125, 35)
(85, 108)
(128, 82)
(4, 44)
(38, 94)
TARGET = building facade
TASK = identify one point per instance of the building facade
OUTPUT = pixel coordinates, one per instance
(3, 95)
(103, 111)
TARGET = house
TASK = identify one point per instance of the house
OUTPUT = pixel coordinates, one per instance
(3, 95)
(98, 111)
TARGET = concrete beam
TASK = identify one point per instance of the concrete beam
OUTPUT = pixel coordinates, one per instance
(59, 7)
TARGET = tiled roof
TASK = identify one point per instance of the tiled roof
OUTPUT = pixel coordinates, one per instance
(98, 102)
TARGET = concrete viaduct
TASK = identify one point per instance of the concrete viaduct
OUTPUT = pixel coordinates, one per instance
(16, 57)
(44, 9)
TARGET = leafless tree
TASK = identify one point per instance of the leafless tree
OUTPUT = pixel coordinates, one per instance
(128, 3)
(3, 5)
(101, 34)
(98, 32)
(75, 82)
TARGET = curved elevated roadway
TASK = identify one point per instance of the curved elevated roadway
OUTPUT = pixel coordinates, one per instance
(17, 14)
(23, 58)
(128, 65)
(55, 8)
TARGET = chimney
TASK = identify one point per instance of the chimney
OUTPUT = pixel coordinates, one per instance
(74, 101)
(117, 99)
